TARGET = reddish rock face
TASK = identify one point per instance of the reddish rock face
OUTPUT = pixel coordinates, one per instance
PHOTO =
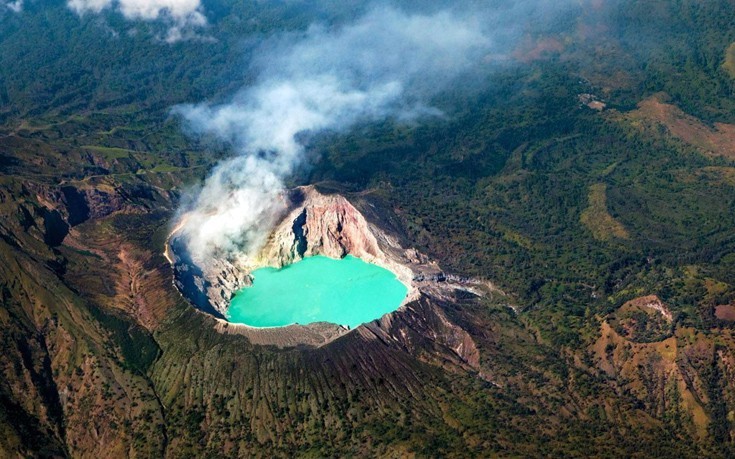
(322, 225)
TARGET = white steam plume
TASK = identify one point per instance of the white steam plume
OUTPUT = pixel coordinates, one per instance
(384, 65)
(182, 15)
(15, 6)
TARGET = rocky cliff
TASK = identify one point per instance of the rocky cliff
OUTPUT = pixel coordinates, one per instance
(321, 225)
(330, 225)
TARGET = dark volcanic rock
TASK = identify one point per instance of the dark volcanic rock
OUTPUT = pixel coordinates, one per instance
(76, 205)
(55, 227)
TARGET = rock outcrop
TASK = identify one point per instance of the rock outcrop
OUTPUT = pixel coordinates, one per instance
(208, 284)
(330, 225)
(322, 225)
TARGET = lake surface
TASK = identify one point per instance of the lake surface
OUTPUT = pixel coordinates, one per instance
(318, 289)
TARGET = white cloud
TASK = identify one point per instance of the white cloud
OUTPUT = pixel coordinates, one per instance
(15, 6)
(183, 16)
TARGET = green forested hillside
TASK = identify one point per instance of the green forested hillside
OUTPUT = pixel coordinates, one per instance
(579, 215)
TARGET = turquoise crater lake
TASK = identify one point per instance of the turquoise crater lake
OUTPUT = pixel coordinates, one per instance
(317, 289)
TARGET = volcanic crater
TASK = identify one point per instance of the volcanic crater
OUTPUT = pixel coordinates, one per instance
(317, 223)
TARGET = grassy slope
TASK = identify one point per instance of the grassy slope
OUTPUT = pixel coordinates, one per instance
(499, 192)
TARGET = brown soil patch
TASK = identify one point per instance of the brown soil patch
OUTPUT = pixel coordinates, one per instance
(718, 140)
(649, 303)
(725, 312)
(531, 51)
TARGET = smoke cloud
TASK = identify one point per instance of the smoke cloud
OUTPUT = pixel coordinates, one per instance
(385, 65)
(15, 6)
(182, 15)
